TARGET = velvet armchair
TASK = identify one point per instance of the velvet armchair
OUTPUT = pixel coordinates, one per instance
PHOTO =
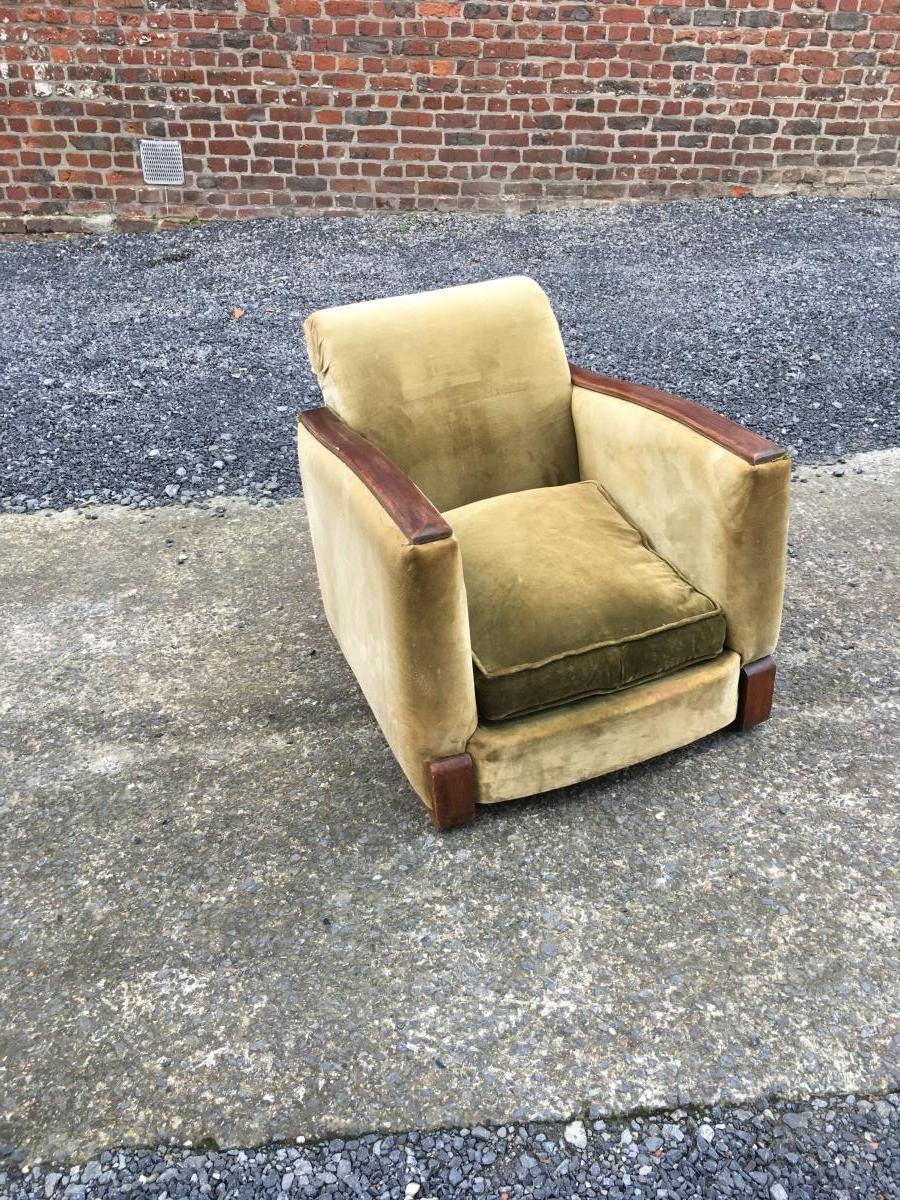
(538, 575)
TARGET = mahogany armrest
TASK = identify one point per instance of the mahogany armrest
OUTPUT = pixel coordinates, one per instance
(728, 434)
(410, 509)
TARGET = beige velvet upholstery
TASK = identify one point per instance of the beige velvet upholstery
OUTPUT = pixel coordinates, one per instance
(467, 389)
(597, 544)
(398, 612)
(592, 737)
(566, 601)
(721, 521)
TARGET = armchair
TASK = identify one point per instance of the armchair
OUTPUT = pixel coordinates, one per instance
(537, 574)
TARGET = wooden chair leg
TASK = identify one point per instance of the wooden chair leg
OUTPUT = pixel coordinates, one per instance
(452, 790)
(756, 686)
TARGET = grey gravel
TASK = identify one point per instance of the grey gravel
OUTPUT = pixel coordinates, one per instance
(791, 300)
(125, 377)
(847, 1148)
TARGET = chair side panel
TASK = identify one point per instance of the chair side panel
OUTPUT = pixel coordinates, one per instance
(398, 611)
(720, 520)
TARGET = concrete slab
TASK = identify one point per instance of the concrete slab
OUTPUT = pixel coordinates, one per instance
(223, 915)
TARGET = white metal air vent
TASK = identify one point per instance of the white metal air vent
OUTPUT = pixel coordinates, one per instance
(161, 162)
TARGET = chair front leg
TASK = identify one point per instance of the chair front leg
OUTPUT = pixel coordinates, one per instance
(756, 686)
(452, 790)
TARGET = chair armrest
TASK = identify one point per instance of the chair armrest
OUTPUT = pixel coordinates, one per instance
(390, 574)
(737, 439)
(410, 509)
(711, 496)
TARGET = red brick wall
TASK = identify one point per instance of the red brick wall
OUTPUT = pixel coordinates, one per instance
(299, 105)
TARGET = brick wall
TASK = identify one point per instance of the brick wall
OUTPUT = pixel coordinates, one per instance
(337, 105)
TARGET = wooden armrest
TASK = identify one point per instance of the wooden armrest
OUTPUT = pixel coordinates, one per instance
(728, 434)
(411, 510)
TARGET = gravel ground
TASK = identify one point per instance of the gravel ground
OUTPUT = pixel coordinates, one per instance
(840, 1147)
(125, 376)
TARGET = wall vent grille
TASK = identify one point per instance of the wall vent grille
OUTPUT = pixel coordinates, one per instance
(161, 162)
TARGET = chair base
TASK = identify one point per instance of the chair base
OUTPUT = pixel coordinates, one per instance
(452, 790)
(756, 686)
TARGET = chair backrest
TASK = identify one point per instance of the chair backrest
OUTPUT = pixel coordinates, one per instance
(467, 389)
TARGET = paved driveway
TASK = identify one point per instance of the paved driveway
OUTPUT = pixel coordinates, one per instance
(223, 914)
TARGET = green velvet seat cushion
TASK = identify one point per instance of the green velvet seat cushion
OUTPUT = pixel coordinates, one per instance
(566, 600)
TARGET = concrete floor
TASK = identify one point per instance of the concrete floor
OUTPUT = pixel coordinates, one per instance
(223, 914)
